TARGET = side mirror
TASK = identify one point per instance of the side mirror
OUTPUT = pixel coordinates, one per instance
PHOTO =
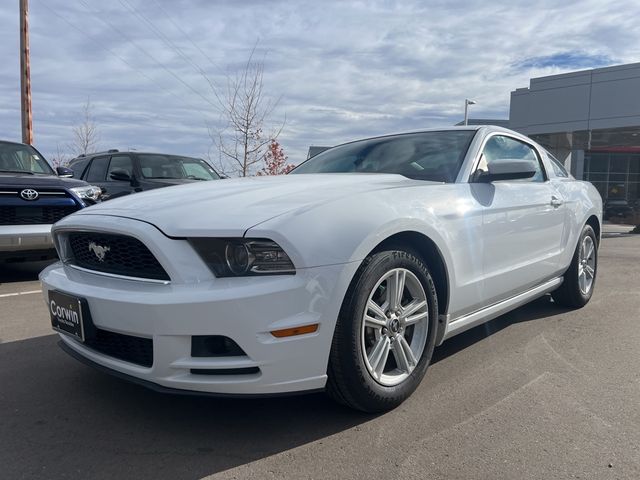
(120, 175)
(64, 172)
(506, 170)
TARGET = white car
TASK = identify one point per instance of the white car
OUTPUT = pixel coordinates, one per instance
(341, 276)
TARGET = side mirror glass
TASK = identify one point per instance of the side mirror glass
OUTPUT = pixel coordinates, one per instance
(507, 169)
(64, 172)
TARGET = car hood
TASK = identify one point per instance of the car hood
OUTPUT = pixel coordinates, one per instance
(18, 180)
(230, 207)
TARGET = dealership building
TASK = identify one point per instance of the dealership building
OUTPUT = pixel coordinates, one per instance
(590, 120)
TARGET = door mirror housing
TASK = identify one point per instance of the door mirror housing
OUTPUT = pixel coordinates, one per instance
(510, 169)
(120, 175)
(64, 172)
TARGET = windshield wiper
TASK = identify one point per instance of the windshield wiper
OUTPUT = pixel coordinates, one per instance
(17, 171)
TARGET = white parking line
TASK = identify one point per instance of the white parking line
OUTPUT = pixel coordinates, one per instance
(19, 293)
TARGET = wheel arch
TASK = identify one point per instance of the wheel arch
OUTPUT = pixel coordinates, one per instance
(595, 224)
(428, 251)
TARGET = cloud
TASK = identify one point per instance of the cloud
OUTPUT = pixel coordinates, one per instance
(341, 69)
(573, 60)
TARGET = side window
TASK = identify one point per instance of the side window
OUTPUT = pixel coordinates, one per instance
(500, 148)
(558, 168)
(97, 169)
(120, 162)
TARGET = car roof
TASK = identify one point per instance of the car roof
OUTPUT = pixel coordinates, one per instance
(89, 156)
(426, 130)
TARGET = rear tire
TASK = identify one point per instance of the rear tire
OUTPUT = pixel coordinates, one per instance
(579, 280)
(385, 334)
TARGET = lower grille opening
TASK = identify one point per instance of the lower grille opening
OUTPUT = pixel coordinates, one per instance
(131, 349)
(28, 256)
(215, 346)
(225, 371)
(34, 214)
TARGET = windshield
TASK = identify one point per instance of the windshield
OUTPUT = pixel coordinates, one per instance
(171, 166)
(433, 156)
(18, 158)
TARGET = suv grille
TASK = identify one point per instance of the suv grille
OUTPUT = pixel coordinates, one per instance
(131, 349)
(116, 254)
(33, 215)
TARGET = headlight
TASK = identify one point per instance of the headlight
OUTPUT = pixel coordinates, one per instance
(89, 192)
(239, 257)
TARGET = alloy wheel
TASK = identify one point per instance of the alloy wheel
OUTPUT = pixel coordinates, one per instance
(586, 265)
(394, 326)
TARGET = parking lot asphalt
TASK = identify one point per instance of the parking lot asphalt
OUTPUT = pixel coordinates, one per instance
(541, 392)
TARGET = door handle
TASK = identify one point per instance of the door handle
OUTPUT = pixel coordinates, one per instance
(555, 202)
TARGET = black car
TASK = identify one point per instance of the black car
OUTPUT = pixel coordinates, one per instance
(33, 197)
(121, 173)
(617, 208)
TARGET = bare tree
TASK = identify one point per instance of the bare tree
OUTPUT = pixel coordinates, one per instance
(245, 111)
(60, 157)
(85, 134)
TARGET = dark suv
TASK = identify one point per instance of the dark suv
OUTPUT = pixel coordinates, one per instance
(121, 173)
(32, 198)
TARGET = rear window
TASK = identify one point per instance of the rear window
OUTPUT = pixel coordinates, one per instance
(558, 168)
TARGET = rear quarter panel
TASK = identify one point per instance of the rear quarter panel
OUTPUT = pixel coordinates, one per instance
(581, 201)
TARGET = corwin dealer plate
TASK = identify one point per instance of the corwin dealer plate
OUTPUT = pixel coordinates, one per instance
(66, 314)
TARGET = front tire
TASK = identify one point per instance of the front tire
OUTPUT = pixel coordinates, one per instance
(580, 278)
(385, 334)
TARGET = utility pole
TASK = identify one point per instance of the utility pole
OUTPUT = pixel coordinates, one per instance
(25, 74)
(467, 102)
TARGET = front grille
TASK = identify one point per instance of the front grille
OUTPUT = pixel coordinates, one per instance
(131, 349)
(115, 254)
(46, 192)
(33, 215)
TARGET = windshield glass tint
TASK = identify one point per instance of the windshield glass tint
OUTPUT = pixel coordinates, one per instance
(22, 158)
(433, 156)
(169, 166)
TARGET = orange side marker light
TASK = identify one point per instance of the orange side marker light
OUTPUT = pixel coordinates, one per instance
(291, 332)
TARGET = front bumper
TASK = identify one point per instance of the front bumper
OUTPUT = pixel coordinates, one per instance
(16, 238)
(20, 243)
(242, 309)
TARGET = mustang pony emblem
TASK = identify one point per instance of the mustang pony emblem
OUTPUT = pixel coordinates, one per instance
(98, 250)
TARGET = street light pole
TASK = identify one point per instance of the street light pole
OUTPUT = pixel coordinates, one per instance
(25, 75)
(467, 102)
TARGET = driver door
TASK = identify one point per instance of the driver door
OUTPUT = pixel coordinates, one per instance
(522, 226)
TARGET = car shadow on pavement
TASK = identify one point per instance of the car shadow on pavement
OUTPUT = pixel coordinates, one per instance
(63, 419)
(543, 307)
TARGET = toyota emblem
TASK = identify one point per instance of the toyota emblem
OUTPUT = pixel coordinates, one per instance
(29, 194)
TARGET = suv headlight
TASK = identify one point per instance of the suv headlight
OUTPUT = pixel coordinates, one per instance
(90, 192)
(240, 257)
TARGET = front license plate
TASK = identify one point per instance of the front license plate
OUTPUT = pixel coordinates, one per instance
(66, 314)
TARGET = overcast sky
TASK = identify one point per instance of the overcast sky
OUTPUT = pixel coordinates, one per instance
(342, 70)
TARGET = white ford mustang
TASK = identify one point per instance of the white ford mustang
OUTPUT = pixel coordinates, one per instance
(343, 275)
